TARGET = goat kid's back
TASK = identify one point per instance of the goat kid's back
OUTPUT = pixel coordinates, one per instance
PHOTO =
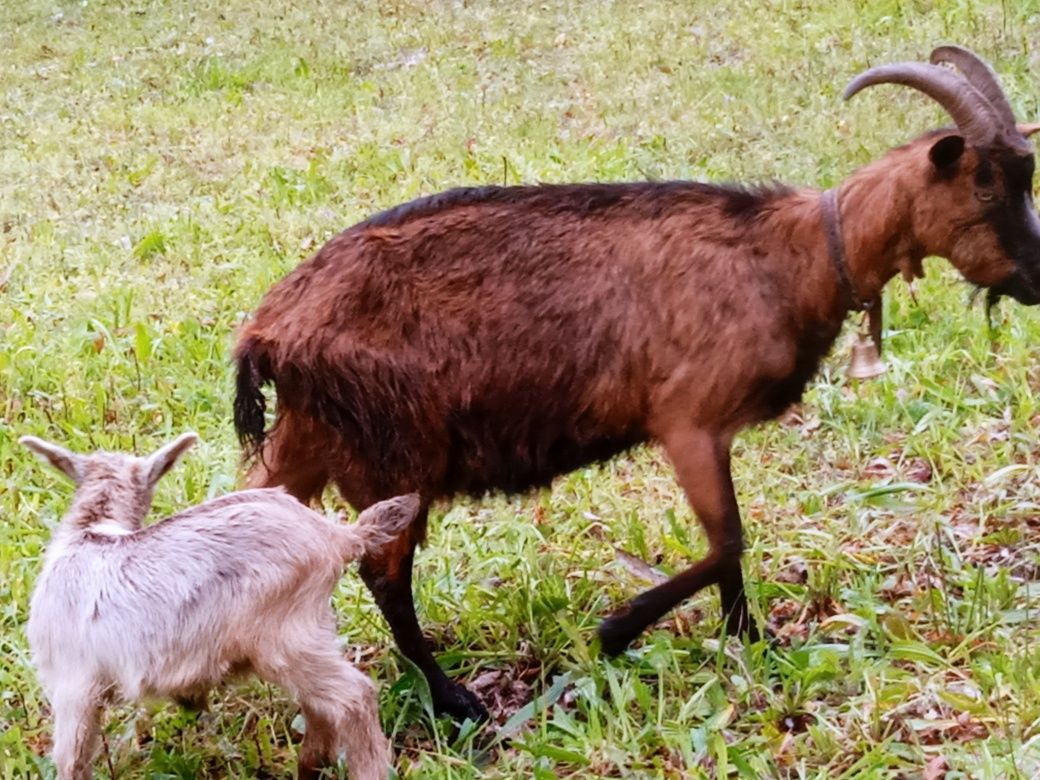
(189, 589)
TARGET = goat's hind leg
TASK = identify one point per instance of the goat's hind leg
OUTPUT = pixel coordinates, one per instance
(77, 720)
(701, 462)
(389, 577)
(342, 713)
(734, 601)
(289, 459)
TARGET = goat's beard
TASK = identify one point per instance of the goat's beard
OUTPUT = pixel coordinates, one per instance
(992, 299)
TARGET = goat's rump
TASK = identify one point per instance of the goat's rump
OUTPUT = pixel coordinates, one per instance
(397, 425)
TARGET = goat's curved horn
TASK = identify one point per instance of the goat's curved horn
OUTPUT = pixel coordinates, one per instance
(981, 76)
(975, 117)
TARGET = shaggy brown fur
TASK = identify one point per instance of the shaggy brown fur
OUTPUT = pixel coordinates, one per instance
(491, 339)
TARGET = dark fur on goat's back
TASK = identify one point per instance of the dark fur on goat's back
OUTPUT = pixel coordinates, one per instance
(640, 198)
(493, 338)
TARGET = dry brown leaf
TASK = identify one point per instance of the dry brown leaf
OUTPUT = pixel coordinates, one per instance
(795, 572)
(637, 567)
(918, 470)
(936, 768)
(504, 691)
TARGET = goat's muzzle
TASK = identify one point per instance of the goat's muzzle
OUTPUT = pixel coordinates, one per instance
(1018, 286)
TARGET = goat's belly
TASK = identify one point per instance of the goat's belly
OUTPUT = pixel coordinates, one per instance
(481, 458)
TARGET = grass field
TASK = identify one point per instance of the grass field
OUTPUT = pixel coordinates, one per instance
(163, 164)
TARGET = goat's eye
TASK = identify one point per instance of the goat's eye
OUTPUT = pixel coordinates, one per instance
(985, 196)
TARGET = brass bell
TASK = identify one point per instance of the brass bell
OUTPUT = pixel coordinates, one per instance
(866, 362)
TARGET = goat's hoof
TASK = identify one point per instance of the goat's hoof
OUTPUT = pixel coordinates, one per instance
(460, 704)
(614, 635)
(748, 633)
(197, 703)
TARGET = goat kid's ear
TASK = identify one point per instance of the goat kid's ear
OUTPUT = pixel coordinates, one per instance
(946, 151)
(1028, 130)
(68, 463)
(162, 461)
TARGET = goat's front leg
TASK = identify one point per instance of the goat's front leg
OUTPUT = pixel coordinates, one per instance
(701, 461)
(389, 577)
(77, 717)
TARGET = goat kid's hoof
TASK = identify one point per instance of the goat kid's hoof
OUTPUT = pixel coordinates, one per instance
(460, 704)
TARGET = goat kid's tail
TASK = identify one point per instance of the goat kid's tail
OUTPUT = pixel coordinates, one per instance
(377, 526)
(249, 406)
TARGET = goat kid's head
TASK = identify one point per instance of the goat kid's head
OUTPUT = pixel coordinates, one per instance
(977, 208)
(112, 488)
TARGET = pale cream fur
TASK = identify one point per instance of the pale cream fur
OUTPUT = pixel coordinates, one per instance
(235, 585)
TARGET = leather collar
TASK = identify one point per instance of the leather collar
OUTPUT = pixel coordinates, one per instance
(836, 249)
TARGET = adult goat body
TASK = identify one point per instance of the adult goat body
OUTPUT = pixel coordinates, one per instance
(493, 338)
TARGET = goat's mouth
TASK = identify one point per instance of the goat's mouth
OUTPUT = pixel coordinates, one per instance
(1018, 286)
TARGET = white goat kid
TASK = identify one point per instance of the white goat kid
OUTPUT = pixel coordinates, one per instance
(234, 585)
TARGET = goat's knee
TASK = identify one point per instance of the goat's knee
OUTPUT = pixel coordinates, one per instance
(728, 550)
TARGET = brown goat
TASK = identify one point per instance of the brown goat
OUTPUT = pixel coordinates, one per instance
(493, 338)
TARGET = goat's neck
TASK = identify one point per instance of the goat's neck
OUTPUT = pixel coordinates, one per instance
(874, 203)
(107, 506)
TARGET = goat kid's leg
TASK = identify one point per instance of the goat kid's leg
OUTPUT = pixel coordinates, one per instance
(701, 461)
(360, 735)
(77, 718)
(342, 716)
(318, 748)
(389, 577)
(340, 706)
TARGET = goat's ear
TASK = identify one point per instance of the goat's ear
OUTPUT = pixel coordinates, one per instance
(68, 463)
(946, 151)
(162, 461)
(1028, 130)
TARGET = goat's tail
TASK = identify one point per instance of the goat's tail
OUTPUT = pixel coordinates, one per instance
(249, 406)
(378, 525)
